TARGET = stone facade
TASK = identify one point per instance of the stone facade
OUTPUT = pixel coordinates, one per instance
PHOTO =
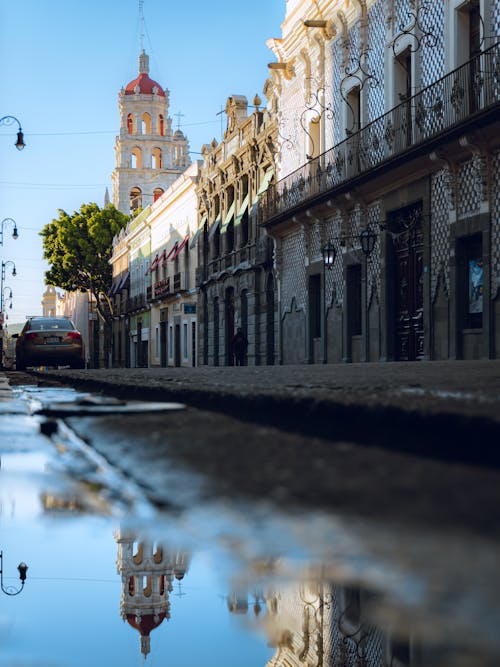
(235, 277)
(388, 145)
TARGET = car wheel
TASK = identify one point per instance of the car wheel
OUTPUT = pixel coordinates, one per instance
(20, 366)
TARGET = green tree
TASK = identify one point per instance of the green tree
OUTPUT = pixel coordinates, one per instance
(78, 248)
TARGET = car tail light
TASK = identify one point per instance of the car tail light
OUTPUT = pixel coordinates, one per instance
(74, 335)
(31, 336)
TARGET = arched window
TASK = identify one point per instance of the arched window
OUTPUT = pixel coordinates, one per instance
(156, 158)
(146, 123)
(157, 193)
(135, 199)
(130, 124)
(161, 125)
(136, 158)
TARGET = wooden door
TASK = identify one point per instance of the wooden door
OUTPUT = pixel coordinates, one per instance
(409, 294)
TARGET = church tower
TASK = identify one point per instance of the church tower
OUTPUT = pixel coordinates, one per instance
(149, 156)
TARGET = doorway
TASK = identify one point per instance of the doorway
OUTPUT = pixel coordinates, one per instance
(408, 248)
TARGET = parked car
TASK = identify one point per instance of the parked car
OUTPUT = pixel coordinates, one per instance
(49, 341)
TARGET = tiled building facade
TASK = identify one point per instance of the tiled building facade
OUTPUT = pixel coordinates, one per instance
(388, 137)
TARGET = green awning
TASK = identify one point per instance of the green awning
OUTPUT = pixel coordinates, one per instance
(214, 227)
(241, 211)
(194, 240)
(229, 217)
(265, 181)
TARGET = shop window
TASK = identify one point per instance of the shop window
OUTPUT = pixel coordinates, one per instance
(472, 282)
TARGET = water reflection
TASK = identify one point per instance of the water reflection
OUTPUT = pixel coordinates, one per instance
(318, 622)
(147, 572)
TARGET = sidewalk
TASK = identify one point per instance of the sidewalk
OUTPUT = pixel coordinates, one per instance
(447, 410)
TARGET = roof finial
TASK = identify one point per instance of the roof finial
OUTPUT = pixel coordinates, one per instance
(141, 25)
(143, 63)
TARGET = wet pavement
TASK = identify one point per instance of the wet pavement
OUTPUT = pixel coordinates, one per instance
(219, 541)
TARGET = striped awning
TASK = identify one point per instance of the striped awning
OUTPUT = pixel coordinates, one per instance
(229, 217)
(241, 211)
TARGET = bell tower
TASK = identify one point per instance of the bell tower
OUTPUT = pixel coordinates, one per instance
(149, 156)
(147, 572)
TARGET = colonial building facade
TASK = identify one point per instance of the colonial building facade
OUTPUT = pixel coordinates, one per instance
(171, 293)
(385, 212)
(235, 277)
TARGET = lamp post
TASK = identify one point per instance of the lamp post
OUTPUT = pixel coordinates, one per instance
(10, 120)
(10, 590)
(329, 253)
(367, 239)
(15, 233)
(2, 279)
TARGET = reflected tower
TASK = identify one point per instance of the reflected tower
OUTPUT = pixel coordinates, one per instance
(147, 571)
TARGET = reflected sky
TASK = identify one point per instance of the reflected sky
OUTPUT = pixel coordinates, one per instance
(69, 610)
(228, 586)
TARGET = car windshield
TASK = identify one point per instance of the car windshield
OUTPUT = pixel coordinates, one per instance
(51, 324)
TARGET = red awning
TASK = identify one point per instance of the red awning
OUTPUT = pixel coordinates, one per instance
(172, 250)
(155, 263)
(181, 246)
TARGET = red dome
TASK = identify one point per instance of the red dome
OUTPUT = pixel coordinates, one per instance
(145, 84)
(147, 622)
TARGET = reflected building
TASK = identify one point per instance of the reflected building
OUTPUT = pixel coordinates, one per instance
(320, 623)
(147, 571)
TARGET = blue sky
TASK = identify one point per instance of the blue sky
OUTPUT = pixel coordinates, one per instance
(63, 64)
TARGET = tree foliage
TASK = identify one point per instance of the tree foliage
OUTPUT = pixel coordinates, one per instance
(78, 248)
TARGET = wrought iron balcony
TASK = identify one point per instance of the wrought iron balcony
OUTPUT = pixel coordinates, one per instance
(447, 103)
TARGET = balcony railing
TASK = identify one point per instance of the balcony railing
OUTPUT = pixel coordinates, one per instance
(474, 87)
(230, 260)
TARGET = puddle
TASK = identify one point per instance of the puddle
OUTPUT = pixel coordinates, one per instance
(113, 580)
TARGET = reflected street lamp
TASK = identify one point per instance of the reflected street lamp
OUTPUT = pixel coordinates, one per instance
(15, 233)
(10, 120)
(10, 590)
(2, 279)
(329, 253)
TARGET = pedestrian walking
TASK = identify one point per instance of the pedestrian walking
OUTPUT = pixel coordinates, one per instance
(240, 344)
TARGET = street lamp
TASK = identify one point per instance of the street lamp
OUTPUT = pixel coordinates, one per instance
(10, 120)
(329, 253)
(15, 234)
(10, 590)
(367, 238)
